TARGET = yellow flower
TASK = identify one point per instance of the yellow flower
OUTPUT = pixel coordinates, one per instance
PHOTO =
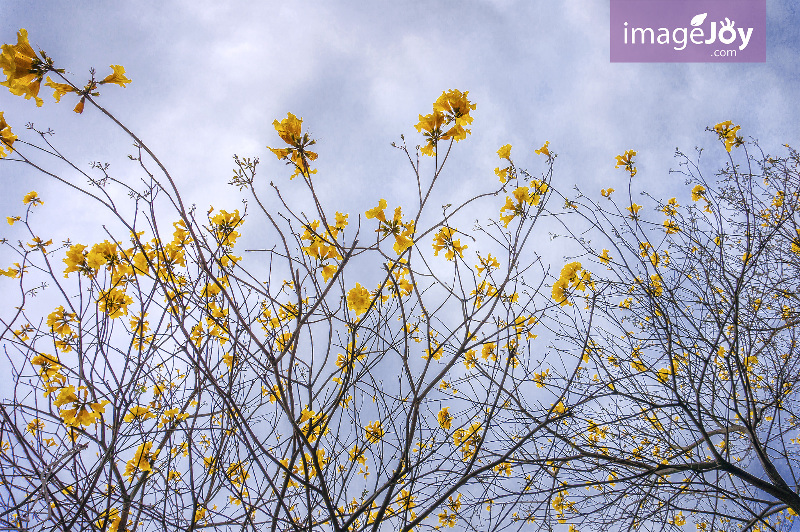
(60, 89)
(431, 128)
(456, 107)
(505, 152)
(34, 426)
(606, 192)
(357, 455)
(138, 413)
(626, 160)
(572, 274)
(489, 350)
(634, 209)
(59, 321)
(49, 368)
(109, 520)
(559, 292)
(655, 282)
(444, 240)
(224, 226)
(33, 198)
(402, 231)
(117, 76)
(671, 227)
(671, 207)
(141, 461)
(358, 299)
(23, 70)
(605, 257)
(697, 192)
(544, 150)
(7, 138)
(79, 414)
(290, 131)
(488, 264)
(76, 261)
(377, 212)
(444, 418)
(452, 107)
(114, 302)
(470, 359)
(502, 173)
(727, 132)
(374, 432)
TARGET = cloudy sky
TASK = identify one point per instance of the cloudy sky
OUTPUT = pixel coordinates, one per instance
(209, 78)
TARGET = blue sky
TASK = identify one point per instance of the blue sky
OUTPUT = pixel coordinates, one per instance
(210, 77)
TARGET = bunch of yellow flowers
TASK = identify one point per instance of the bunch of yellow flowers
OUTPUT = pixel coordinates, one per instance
(572, 275)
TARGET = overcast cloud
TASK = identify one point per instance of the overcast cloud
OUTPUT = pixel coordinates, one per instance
(209, 78)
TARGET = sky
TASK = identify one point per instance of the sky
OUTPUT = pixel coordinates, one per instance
(209, 78)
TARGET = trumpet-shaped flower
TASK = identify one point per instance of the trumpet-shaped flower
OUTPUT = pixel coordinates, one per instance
(727, 133)
(544, 150)
(32, 198)
(7, 138)
(290, 131)
(22, 68)
(444, 240)
(116, 77)
(626, 160)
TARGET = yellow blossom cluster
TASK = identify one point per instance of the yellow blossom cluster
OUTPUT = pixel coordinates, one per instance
(22, 68)
(728, 133)
(142, 460)
(402, 231)
(444, 240)
(109, 520)
(572, 276)
(504, 153)
(522, 198)
(322, 246)
(487, 264)
(359, 299)
(374, 432)
(124, 264)
(467, 440)
(82, 411)
(626, 161)
(224, 225)
(561, 505)
(345, 362)
(450, 115)
(297, 154)
(24, 71)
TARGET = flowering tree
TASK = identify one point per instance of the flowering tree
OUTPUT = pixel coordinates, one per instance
(355, 373)
(685, 406)
(376, 371)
